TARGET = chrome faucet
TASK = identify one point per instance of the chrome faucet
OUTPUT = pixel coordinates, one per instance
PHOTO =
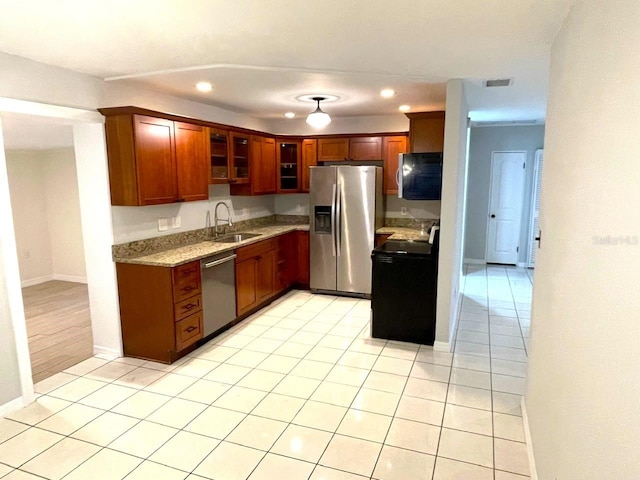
(216, 219)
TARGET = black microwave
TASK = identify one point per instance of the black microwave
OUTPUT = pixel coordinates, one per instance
(420, 176)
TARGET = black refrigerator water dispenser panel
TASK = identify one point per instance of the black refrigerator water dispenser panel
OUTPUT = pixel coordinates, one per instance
(322, 219)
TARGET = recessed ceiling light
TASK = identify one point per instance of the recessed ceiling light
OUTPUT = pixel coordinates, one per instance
(204, 86)
(404, 108)
(290, 115)
(387, 93)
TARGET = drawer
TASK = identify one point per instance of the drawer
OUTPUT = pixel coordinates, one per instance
(254, 250)
(188, 331)
(187, 307)
(186, 273)
(186, 288)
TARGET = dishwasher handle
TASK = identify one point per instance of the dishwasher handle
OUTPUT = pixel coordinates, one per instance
(219, 262)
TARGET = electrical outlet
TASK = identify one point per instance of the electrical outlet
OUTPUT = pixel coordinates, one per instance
(175, 222)
(298, 208)
(163, 224)
(403, 211)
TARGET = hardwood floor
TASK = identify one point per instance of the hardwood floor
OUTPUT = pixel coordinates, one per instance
(58, 326)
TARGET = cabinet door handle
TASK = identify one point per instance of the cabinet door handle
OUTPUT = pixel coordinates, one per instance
(190, 329)
(189, 306)
(188, 288)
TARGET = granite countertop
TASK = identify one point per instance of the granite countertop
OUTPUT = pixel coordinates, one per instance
(196, 251)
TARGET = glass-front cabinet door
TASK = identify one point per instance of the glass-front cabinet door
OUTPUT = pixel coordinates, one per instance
(219, 140)
(288, 166)
(239, 164)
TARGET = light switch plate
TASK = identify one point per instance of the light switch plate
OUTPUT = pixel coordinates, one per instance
(163, 224)
(403, 210)
(175, 222)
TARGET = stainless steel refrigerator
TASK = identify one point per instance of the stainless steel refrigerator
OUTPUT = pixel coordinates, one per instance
(346, 210)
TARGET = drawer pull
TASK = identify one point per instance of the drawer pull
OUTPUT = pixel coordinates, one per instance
(188, 288)
(190, 329)
(189, 306)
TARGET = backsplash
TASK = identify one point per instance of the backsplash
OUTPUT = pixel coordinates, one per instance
(410, 222)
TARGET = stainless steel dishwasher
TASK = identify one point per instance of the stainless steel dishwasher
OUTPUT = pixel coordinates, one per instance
(218, 291)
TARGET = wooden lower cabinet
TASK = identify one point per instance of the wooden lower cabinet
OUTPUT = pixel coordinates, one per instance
(302, 265)
(160, 309)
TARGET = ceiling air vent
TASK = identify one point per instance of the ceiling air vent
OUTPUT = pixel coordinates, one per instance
(499, 82)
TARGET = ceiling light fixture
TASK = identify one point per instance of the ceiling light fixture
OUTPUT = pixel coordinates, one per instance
(317, 118)
(204, 86)
(387, 93)
(404, 108)
(290, 115)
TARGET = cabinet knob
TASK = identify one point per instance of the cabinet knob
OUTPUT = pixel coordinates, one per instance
(190, 329)
(493, 215)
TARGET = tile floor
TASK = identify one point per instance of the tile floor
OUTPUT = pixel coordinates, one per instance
(298, 391)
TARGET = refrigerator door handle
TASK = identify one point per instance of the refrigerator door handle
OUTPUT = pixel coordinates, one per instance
(399, 176)
(333, 220)
(339, 221)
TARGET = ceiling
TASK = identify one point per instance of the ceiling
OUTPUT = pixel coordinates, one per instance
(259, 55)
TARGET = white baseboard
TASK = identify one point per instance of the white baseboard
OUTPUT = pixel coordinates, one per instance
(527, 438)
(474, 261)
(522, 264)
(106, 353)
(36, 281)
(12, 406)
(441, 346)
(69, 278)
(55, 276)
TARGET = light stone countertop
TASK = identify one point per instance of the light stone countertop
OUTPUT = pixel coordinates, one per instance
(196, 251)
(189, 253)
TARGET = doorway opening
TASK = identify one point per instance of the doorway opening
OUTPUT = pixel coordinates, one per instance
(43, 187)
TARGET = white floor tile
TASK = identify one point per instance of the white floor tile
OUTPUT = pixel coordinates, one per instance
(171, 384)
(240, 399)
(358, 360)
(4, 470)
(105, 465)
(194, 367)
(143, 439)
(105, 429)
(325, 473)
(365, 425)
(404, 351)
(507, 403)
(184, 451)
(86, 366)
(53, 382)
(261, 380)
(61, 458)
(246, 358)
(472, 337)
(295, 350)
(400, 464)
(215, 422)
(351, 455)
(303, 443)
(297, 386)
(139, 378)
(108, 396)
(472, 348)
(348, 375)
(371, 346)
(141, 404)
(430, 371)
(470, 378)
(312, 369)
(469, 397)
(39, 410)
(508, 384)
(177, 413)
(257, 432)
(509, 476)
(412, 435)
(26, 445)
(335, 394)
(420, 410)
(397, 366)
(508, 427)
(324, 354)
(70, 419)
(386, 382)
(275, 466)
(427, 389)
(468, 419)
(506, 367)
(150, 470)
(278, 407)
(376, 401)
(278, 364)
(447, 469)
(230, 462)
(511, 456)
(320, 415)
(110, 371)
(10, 428)
(466, 447)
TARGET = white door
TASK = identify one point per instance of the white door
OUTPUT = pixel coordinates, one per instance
(505, 206)
(535, 207)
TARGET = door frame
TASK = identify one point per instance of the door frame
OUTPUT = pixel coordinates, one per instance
(538, 160)
(524, 178)
(97, 229)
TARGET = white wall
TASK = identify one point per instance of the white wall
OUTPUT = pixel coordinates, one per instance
(452, 211)
(370, 124)
(482, 143)
(63, 215)
(46, 213)
(137, 223)
(292, 204)
(427, 209)
(29, 206)
(583, 391)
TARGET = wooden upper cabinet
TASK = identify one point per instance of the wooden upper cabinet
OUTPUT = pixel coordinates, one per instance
(392, 147)
(219, 155)
(426, 132)
(193, 162)
(155, 163)
(261, 170)
(268, 175)
(309, 159)
(365, 148)
(239, 158)
(288, 165)
(333, 149)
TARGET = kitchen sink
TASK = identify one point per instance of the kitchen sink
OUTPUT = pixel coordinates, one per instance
(235, 238)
